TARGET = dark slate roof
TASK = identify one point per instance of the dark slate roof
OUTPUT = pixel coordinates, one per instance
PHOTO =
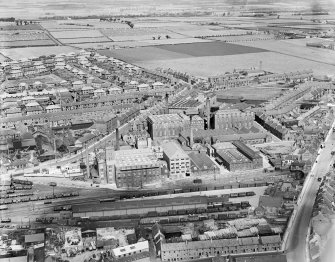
(259, 258)
(201, 161)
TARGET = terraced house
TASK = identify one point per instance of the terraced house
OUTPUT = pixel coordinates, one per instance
(184, 251)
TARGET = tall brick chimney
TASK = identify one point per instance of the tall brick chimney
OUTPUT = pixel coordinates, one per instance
(208, 113)
(167, 103)
(117, 140)
(191, 136)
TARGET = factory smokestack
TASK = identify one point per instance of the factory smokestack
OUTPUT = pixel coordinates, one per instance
(167, 103)
(191, 136)
(117, 140)
(208, 112)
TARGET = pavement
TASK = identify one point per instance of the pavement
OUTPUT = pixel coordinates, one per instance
(296, 245)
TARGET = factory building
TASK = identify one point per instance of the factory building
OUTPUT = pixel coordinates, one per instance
(141, 207)
(166, 126)
(254, 157)
(233, 118)
(178, 161)
(233, 160)
(237, 156)
(184, 106)
(133, 168)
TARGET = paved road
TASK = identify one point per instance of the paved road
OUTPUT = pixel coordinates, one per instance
(296, 242)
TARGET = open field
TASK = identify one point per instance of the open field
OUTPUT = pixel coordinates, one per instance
(166, 52)
(31, 43)
(163, 41)
(99, 45)
(22, 35)
(138, 33)
(216, 65)
(143, 54)
(241, 38)
(202, 31)
(13, 26)
(80, 24)
(297, 48)
(84, 40)
(75, 34)
(252, 93)
(170, 41)
(210, 49)
(19, 53)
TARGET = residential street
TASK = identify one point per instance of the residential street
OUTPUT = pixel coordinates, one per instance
(296, 242)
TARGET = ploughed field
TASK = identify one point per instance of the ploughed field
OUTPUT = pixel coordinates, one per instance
(210, 49)
(165, 52)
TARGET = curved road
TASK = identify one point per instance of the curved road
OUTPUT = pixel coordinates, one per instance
(296, 243)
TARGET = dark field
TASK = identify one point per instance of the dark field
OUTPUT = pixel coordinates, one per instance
(166, 52)
(210, 49)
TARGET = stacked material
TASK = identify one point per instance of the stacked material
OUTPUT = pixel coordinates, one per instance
(241, 224)
(253, 231)
(187, 237)
(228, 232)
(210, 225)
(277, 230)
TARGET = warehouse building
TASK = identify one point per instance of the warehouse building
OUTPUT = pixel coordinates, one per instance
(141, 207)
(178, 161)
(226, 135)
(233, 118)
(133, 168)
(183, 106)
(233, 160)
(166, 126)
(237, 156)
(255, 158)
